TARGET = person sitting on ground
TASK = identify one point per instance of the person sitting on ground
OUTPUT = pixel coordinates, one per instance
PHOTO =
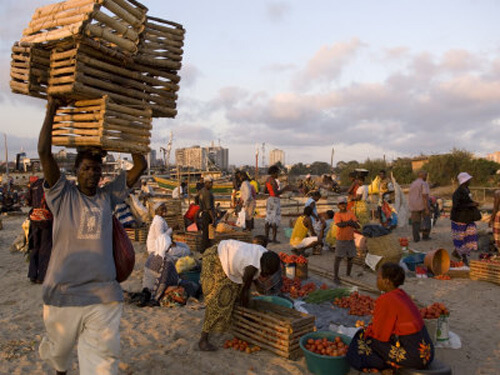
(227, 272)
(495, 219)
(397, 336)
(317, 221)
(178, 192)
(346, 222)
(308, 185)
(303, 235)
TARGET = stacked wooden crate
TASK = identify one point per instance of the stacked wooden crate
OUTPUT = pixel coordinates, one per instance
(272, 327)
(101, 123)
(29, 69)
(82, 50)
(192, 239)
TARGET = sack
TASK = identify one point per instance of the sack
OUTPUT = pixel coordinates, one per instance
(123, 252)
(241, 219)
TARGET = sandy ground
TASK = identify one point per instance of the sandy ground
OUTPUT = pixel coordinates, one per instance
(163, 341)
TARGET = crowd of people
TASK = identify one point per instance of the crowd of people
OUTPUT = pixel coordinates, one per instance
(71, 238)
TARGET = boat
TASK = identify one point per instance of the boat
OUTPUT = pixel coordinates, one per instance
(219, 188)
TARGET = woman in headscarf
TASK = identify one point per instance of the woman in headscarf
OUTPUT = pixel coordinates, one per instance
(464, 213)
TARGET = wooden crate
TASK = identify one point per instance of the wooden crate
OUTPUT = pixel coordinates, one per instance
(114, 23)
(79, 70)
(245, 236)
(272, 327)
(102, 123)
(160, 56)
(29, 69)
(192, 239)
(485, 271)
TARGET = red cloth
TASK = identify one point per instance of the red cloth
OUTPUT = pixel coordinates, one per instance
(269, 187)
(192, 211)
(395, 314)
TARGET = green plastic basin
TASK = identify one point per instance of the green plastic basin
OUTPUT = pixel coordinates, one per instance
(322, 364)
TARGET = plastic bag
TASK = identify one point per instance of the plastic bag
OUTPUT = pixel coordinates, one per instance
(123, 252)
(240, 222)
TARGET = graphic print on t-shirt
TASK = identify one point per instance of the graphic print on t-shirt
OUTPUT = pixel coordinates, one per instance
(90, 224)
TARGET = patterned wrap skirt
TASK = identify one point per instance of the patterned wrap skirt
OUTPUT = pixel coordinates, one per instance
(410, 351)
(464, 237)
(496, 230)
(219, 291)
(273, 211)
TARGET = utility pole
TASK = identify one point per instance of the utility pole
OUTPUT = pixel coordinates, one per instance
(6, 155)
(256, 162)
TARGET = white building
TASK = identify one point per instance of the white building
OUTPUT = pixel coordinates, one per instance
(495, 156)
(276, 156)
(203, 158)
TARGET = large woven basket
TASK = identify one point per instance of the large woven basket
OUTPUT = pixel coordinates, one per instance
(385, 246)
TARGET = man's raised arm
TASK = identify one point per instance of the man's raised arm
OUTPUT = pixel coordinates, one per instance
(50, 168)
(136, 171)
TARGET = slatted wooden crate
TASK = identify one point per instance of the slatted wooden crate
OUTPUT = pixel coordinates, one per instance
(138, 234)
(245, 236)
(160, 56)
(272, 327)
(79, 70)
(29, 69)
(485, 271)
(192, 239)
(115, 23)
(102, 123)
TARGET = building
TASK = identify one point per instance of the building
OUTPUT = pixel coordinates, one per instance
(418, 163)
(276, 156)
(495, 156)
(203, 158)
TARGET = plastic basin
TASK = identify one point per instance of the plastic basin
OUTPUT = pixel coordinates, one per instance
(276, 300)
(413, 260)
(322, 364)
(437, 261)
(288, 232)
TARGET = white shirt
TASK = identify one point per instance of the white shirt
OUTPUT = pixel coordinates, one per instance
(235, 256)
(363, 191)
(246, 192)
(176, 194)
(158, 228)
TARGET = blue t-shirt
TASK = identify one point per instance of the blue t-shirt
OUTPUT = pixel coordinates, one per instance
(82, 270)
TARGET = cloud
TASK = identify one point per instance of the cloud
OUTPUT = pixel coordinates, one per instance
(425, 106)
(17, 14)
(277, 10)
(189, 75)
(327, 64)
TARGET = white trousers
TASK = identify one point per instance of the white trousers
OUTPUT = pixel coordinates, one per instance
(96, 329)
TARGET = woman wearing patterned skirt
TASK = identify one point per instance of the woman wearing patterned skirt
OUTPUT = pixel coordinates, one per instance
(463, 214)
(227, 272)
(397, 336)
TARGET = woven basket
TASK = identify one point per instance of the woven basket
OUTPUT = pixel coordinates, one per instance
(385, 246)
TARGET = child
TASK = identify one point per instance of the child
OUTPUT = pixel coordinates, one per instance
(346, 222)
(397, 336)
(303, 235)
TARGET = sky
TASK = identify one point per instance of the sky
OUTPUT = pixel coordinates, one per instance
(365, 78)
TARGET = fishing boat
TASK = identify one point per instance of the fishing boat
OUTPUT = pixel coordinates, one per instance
(218, 188)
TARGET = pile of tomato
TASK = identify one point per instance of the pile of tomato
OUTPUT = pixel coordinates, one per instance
(434, 311)
(335, 348)
(295, 287)
(442, 277)
(241, 345)
(292, 259)
(358, 304)
(456, 264)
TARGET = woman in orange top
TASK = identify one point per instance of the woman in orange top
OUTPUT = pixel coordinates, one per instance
(397, 336)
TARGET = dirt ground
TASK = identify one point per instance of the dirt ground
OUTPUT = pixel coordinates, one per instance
(162, 340)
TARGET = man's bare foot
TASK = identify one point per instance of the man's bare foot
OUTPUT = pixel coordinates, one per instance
(205, 346)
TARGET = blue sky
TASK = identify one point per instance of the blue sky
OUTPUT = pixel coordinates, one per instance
(368, 78)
